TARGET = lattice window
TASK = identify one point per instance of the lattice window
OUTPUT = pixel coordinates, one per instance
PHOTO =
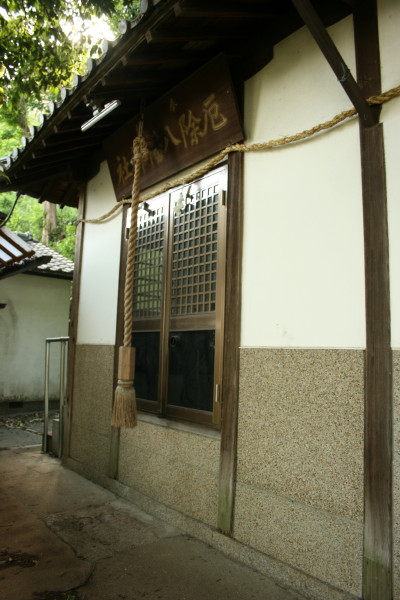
(194, 255)
(147, 289)
(179, 301)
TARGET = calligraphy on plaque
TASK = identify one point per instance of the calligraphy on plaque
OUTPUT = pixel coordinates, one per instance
(195, 120)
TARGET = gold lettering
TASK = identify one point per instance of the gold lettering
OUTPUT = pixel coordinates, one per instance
(172, 137)
(212, 115)
(189, 127)
(124, 169)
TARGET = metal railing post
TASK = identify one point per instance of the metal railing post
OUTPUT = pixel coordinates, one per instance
(62, 394)
(46, 396)
(63, 341)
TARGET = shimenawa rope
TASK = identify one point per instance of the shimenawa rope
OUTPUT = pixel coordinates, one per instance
(124, 407)
(338, 119)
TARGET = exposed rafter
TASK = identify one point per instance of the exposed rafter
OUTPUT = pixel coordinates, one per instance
(334, 58)
(170, 40)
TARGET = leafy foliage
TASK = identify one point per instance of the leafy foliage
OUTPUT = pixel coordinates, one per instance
(10, 131)
(28, 217)
(43, 42)
(28, 214)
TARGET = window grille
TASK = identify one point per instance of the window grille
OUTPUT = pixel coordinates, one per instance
(179, 301)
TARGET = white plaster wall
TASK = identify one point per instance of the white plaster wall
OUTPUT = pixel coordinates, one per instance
(303, 262)
(100, 265)
(37, 308)
(389, 37)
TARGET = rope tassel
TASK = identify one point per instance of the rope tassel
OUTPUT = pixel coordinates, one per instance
(124, 407)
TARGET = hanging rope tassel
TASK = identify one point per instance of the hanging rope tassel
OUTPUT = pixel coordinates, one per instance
(124, 407)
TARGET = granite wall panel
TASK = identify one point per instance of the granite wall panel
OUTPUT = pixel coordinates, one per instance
(91, 408)
(396, 474)
(174, 467)
(299, 495)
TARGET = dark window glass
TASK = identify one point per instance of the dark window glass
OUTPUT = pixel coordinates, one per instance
(191, 369)
(147, 346)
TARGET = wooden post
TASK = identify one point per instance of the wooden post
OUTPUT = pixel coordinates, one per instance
(377, 570)
(230, 383)
(73, 327)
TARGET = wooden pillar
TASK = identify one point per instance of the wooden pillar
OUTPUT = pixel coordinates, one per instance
(377, 569)
(73, 325)
(230, 383)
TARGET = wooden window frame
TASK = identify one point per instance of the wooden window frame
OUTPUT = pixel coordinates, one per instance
(167, 322)
(229, 361)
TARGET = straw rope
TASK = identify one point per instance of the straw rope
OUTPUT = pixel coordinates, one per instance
(130, 261)
(338, 119)
(124, 405)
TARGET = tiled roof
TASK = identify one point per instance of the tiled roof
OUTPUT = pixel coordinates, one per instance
(167, 42)
(58, 265)
(19, 253)
(13, 249)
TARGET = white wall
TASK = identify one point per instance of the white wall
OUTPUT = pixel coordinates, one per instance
(100, 265)
(37, 308)
(389, 28)
(303, 261)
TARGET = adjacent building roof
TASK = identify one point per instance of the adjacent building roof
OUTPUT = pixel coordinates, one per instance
(21, 253)
(57, 266)
(12, 248)
(168, 41)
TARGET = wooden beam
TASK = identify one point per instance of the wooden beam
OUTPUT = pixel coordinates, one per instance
(230, 381)
(170, 35)
(161, 57)
(30, 180)
(378, 395)
(46, 189)
(70, 192)
(73, 327)
(79, 140)
(377, 580)
(133, 78)
(227, 10)
(334, 58)
(59, 158)
(125, 96)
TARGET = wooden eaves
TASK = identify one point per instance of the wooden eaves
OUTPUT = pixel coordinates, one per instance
(169, 40)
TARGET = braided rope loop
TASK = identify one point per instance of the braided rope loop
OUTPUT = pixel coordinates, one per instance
(132, 241)
(256, 147)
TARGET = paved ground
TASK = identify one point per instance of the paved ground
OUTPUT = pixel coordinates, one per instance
(65, 538)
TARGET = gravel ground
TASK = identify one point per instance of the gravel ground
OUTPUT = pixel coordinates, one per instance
(23, 429)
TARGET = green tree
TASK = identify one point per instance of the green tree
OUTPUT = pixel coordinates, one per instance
(42, 44)
(28, 214)
(28, 217)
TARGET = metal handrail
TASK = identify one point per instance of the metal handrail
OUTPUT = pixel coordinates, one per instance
(63, 341)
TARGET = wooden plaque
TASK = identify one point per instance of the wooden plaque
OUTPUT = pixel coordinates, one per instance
(195, 120)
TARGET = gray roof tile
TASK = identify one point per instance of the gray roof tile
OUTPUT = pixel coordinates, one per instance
(58, 264)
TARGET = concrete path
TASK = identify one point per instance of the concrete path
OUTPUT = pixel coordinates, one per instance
(65, 538)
